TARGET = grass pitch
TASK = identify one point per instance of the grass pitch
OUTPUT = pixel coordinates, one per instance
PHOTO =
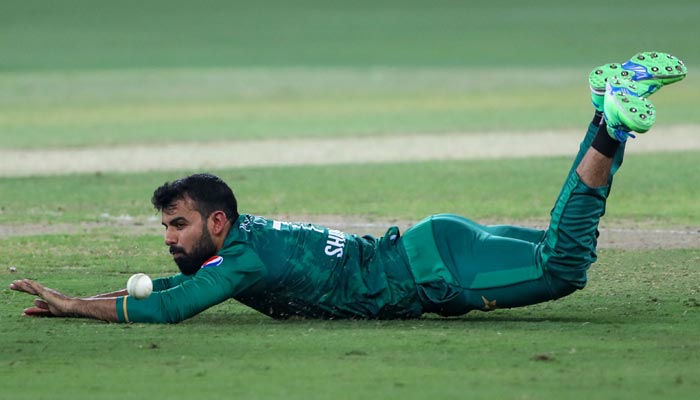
(632, 333)
(78, 73)
(82, 34)
(153, 106)
(85, 73)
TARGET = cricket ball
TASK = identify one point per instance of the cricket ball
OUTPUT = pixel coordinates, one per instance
(139, 286)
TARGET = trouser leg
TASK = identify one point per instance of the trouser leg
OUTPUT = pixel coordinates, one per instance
(569, 246)
(502, 266)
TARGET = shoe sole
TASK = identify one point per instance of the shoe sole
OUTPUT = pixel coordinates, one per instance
(651, 69)
(624, 110)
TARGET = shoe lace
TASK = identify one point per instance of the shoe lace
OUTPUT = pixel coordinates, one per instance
(622, 135)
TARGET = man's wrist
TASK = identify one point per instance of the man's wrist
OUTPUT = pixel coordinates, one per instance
(72, 307)
(97, 308)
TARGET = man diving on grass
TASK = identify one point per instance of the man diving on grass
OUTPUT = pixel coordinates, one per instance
(445, 264)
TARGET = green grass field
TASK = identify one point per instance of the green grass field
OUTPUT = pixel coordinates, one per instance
(80, 73)
(408, 191)
(151, 106)
(631, 334)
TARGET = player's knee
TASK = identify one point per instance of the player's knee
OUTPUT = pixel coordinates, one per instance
(560, 288)
(567, 275)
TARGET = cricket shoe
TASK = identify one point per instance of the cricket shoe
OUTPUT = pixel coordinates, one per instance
(624, 110)
(651, 70)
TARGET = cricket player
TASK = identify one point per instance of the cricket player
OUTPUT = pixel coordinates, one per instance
(444, 264)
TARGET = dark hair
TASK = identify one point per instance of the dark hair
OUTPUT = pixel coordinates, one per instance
(209, 193)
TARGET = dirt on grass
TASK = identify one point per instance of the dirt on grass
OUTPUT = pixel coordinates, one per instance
(321, 151)
(315, 151)
(621, 235)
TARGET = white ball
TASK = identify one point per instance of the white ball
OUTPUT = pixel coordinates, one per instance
(139, 286)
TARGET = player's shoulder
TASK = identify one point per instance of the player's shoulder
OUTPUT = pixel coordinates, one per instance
(249, 222)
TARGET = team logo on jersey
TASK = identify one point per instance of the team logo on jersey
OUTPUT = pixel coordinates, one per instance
(213, 262)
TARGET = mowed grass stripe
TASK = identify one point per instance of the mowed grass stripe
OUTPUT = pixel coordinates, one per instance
(660, 189)
(79, 34)
(163, 106)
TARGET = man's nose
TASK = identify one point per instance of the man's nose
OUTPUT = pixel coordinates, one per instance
(170, 238)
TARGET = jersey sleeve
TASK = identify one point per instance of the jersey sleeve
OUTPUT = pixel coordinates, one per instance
(208, 287)
(169, 282)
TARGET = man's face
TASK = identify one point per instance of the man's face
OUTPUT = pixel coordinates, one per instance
(187, 235)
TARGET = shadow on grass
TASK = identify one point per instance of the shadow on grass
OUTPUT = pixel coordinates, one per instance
(427, 321)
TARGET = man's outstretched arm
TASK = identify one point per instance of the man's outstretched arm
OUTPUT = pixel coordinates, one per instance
(54, 303)
(192, 295)
(158, 285)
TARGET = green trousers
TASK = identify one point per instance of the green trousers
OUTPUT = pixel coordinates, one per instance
(460, 265)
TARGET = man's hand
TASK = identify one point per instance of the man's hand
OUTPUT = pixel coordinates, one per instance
(52, 302)
(40, 309)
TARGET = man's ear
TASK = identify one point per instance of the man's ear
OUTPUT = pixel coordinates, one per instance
(218, 221)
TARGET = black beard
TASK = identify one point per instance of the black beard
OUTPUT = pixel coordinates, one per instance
(190, 263)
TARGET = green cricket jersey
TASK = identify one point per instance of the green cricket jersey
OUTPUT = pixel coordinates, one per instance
(445, 264)
(285, 269)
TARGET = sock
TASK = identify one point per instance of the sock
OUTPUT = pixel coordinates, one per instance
(605, 144)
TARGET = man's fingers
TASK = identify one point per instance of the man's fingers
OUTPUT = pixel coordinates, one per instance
(39, 303)
(37, 312)
(24, 285)
(28, 286)
(15, 285)
(35, 287)
(51, 303)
